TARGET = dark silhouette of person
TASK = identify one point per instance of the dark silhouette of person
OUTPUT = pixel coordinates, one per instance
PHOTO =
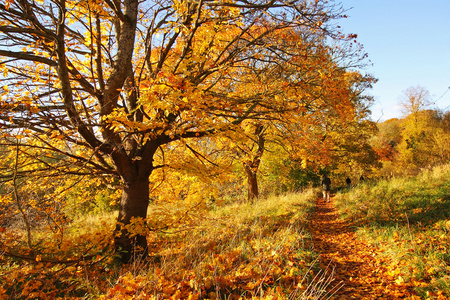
(326, 186)
(348, 181)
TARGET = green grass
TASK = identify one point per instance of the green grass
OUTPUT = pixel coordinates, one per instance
(409, 219)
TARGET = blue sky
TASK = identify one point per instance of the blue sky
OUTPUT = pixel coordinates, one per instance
(408, 42)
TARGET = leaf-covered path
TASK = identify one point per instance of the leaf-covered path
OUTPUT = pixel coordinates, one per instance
(359, 273)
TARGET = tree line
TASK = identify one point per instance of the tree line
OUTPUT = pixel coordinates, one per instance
(418, 140)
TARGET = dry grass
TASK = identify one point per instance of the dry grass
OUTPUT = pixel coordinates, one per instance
(241, 250)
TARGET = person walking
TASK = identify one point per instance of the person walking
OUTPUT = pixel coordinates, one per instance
(326, 186)
(349, 182)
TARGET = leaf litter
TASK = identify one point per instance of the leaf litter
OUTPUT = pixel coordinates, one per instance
(355, 269)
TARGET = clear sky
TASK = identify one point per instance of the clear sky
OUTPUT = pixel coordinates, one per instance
(408, 42)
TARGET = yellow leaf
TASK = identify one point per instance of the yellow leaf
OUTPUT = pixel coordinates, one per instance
(400, 280)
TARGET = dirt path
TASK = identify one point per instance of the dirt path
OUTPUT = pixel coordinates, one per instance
(358, 271)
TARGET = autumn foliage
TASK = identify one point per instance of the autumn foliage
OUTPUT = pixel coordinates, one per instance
(113, 88)
(421, 139)
(167, 149)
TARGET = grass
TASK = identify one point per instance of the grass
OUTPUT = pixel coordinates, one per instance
(240, 250)
(69, 262)
(409, 219)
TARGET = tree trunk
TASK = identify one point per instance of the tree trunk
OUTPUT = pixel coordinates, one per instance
(252, 181)
(134, 204)
(251, 166)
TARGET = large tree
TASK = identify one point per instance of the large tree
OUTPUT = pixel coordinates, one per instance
(107, 84)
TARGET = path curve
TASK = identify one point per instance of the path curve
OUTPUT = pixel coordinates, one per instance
(358, 271)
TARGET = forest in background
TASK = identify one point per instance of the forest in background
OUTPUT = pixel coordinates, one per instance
(419, 140)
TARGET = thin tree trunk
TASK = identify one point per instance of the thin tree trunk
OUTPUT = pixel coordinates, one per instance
(252, 181)
(251, 166)
(19, 201)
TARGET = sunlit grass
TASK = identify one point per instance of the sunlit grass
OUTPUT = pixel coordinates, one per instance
(243, 249)
(409, 219)
(68, 258)
(251, 250)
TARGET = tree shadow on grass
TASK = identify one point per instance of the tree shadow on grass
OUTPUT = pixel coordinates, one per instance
(419, 209)
(430, 212)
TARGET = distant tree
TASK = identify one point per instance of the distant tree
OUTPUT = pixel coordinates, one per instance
(415, 99)
(388, 136)
(424, 141)
(417, 140)
(414, 102)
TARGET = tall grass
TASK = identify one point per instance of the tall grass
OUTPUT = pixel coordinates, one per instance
(68, 262)
(240, 250)
(249, 250)
(409, 219)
